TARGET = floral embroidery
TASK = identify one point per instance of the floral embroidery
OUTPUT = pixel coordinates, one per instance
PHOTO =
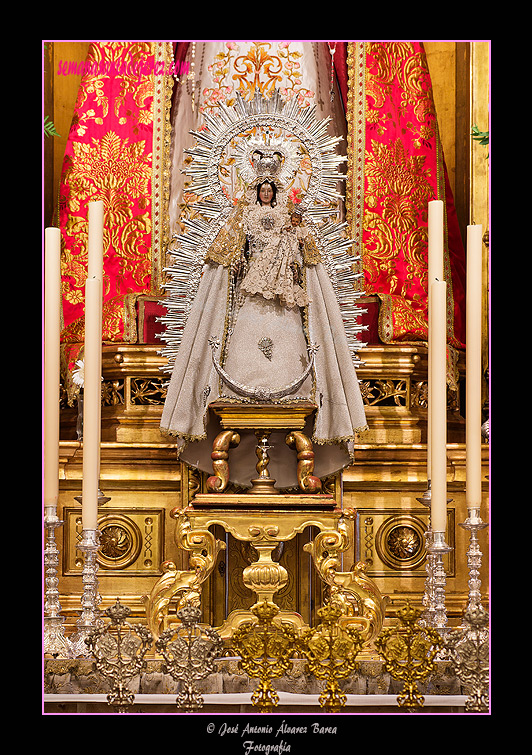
(402, 171)
(109, 158)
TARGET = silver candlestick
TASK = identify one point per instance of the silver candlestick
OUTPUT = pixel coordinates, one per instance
(434, 597)
(439, 548)
(474, 523)
(426, 497)
(428, 600)
(89, 618)
(54, 641)
(428, 596)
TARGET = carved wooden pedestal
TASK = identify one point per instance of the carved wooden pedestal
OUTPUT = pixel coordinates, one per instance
(263, 420)
(265, 518)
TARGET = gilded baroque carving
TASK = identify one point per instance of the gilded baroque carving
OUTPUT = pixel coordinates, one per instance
(266, 647)
(362, 603)
(331, 650)
(409, 651)
(359, 598)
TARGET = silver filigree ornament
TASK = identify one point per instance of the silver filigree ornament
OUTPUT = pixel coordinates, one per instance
(119, 650)
(264, 157)
(468, 651)
(266, 346)
(263, 152)
(262, 394)
(189, 651)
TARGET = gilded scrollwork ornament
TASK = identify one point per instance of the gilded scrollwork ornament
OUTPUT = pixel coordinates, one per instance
(183, 586)
(409, 651)
(307, 481)
(331, 650)
(363, 604)
(266, 648)
(227, 439)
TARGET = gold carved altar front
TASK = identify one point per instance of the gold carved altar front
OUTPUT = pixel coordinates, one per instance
(160, 531)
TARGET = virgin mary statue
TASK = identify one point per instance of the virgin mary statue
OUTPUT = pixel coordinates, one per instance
(254, 312)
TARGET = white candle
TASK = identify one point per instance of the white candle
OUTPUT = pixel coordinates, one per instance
(95, 263)
(92, 405)
(435, 272)
(474, 366)
(52, 331)
(95, 240)
(438, 400)
(435, 245)
(92, 387)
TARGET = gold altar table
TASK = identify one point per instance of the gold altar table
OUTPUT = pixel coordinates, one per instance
(265, 522)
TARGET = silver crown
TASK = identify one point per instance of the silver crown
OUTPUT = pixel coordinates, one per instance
(265, 157)
(267, 166)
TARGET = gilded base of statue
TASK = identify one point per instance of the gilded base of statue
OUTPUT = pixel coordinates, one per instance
(265, 518)
(265, 522)
(277, 500)
(263, 420)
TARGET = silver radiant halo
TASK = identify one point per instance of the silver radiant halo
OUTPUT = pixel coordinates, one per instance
(281, 132)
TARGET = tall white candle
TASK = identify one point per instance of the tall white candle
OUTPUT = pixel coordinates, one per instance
(435, 272)
(52, 331)
(95, 240)
(92, 387)
(435, 243)
(474, 366)
(92, 367)
(95, 263)
(438, 400)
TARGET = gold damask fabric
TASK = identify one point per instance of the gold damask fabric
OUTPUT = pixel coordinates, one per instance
(396, 167)
(115, 152)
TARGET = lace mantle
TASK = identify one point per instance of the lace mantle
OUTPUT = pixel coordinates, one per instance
(275, 256)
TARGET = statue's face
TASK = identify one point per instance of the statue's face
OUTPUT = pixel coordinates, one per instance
(266, 194)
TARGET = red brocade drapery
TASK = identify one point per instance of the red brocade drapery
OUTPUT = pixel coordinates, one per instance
(395, 168)
(114, 153)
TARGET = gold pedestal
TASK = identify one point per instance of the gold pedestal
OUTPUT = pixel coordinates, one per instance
(263, 420)
(265, 522)
(265, 518)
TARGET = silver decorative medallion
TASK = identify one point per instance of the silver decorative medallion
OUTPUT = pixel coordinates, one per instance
(266, 346)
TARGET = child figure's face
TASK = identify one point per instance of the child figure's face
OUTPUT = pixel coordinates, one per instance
(296, 219)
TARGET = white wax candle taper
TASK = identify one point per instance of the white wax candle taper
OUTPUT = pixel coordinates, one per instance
(438, 399)
(92, 387)
(52, 332)
(435, 272)
(435, 240)
(474, 366)
(92, 367)
(95, 240)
